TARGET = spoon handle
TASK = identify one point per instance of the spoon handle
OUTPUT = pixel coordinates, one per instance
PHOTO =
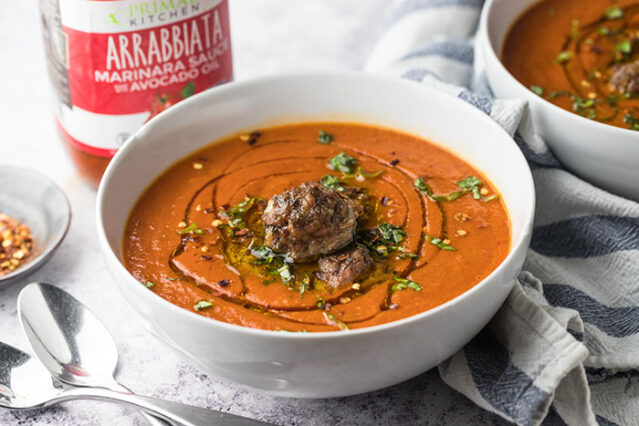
(151, 420)
(173, 412)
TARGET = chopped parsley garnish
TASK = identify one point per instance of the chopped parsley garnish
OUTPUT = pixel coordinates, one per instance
(537, 90)
(582, 106)
(404, 283)
(149, 284)
(603, 30)
(324, 138)
(321, 303)
(192, 228)
(285, 274)
(408, 256)
(202, 304)
(631, 121)
(424, 188)
(278, 263)
(585, 107)
(470, 184)
(614, 12)
(421, 185)
(360, 175)
(490, 198)
(171, 278)
(391, 234)
(304, 285)
(235, 214)
(331, 181)
(440, 243)
(624, 48)
(343, 163)
(383, 239)
(564, 57)
(265, 255)
(332, 320)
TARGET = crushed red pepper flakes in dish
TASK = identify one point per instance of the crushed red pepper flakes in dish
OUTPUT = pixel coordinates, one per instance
(16, 244)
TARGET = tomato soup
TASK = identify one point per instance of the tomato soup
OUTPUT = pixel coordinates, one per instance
(581, 55)
(316, 227)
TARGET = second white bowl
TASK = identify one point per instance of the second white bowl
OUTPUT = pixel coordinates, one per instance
(605, 155)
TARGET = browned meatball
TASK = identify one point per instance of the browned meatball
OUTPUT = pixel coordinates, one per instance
(626, 79)
(308, 221)
(346, 267)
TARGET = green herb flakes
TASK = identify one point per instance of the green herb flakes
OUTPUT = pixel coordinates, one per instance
(235, 214)
(632, 122)
(304, 284)
(149, 284)
(383, 239)
(321, 303)
(331, 181)
(408, 256)
(202, 304)
(343, 163)
(264, 255)
(404, 283)
(285, 274)
(192, 228)
(564, 57)
(361, 175)
(624, 47)
(443, 244)
(324, 138)
(537, 90)
(472, 184)
(603, 30)
(391, 233)
(614, 12)
(333, 320)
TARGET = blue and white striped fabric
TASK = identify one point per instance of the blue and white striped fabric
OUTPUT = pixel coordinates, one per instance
(565, 345)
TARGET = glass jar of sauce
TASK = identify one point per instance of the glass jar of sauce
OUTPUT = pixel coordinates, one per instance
(115, 64)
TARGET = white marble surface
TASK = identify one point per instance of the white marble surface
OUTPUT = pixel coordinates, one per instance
(269, 36)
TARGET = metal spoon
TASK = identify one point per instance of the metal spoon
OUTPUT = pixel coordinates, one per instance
(72, 342)
(25, 384)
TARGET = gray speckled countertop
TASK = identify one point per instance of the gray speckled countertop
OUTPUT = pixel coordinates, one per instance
(269, 36)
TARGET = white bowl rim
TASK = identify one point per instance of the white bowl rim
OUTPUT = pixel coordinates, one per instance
(485, 40)
(279, 334)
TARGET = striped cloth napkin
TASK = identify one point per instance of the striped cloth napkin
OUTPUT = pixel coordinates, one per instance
(564, 347)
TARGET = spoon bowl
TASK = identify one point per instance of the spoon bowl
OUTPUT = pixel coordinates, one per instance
(67, 337)
(24, 382)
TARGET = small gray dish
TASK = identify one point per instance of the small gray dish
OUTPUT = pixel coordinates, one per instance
(37, 202)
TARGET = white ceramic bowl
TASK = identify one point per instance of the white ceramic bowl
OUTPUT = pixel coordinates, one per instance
(313, 365)
(605, 155)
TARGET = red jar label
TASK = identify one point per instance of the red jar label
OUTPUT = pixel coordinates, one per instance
(114, 64)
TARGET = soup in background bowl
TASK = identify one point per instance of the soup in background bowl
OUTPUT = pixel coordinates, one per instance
(555, 55)
(445, 169)
(582, 56)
